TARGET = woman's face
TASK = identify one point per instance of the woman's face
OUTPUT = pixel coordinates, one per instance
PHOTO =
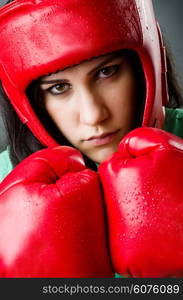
(93, 104)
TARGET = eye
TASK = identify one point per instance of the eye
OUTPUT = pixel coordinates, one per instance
(107, 71)
(59, 88)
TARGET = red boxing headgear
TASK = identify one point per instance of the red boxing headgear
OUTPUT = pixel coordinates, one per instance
(38, 37)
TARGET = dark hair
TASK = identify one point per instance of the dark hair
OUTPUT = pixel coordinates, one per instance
(21, 140)
(174, 89)
(9, 1)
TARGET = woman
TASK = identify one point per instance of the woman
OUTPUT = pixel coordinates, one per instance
(78, 73)
(24, 144)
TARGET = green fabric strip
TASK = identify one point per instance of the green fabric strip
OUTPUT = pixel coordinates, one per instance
(5, 164)
(174, 121)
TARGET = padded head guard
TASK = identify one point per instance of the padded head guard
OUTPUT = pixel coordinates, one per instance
(41, 36)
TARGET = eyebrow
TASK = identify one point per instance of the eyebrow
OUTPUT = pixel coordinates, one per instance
(53, 81)
(109, 59)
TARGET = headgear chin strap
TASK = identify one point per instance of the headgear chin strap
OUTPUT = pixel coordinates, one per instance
(40, 37)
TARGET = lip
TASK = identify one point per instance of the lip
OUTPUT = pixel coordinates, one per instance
(103, 138)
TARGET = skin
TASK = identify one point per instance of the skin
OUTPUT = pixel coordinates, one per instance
(91, 99)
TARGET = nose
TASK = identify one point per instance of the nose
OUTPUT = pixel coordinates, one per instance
(93, 109)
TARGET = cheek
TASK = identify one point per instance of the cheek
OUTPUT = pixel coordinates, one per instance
(123, 96)
(63, 116)
(124, 110)
(128, 87)
(51, 107)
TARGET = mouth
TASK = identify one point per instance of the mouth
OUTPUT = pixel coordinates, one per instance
(103, 138)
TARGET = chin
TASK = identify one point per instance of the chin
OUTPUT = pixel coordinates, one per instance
(102, 154)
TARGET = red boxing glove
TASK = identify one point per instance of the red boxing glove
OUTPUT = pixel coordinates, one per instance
(144, 197)
(52, 218)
